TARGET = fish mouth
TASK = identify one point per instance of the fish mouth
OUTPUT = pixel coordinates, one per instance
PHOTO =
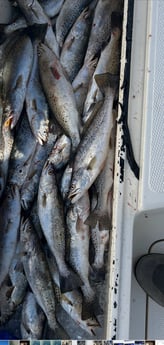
(74, 195)
(42, 138)
(41, 48)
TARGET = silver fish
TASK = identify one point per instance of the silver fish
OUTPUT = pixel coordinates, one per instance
(60, 153)
(108, 62)
(59, 94)
(79, 237)
(74, 47)
(81, 83)
(66, 181)
(18, 280)
(51, 215)
(101, 27)
(70, 11)
(19, 23)
(9, 225)
(23, 150)
(92, 151)
(32, 318)
(37, 271)
(29, 189)
(36, 105)
(35, 14)
(15, 77)
(100, 239)
(71, 301)
(103, 185)
(51, 7)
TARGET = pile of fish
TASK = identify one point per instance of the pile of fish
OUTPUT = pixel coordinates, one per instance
(59, 78)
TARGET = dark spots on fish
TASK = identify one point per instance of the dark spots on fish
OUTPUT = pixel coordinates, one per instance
(115, 322)
(55, 73)
(34, 104)
(113, 262)
(114, 337)
(44, 199)
(115, 291)
(115, 305)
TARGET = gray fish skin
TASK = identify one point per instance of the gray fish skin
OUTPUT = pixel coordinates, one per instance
(103, 185)
(37, 271)
(36, 104)
(51, 7)
(101, 27)
(79, 237)
(59, 93)
(29, 189)
(19, 23)
(32, 318)
(15, 77)
(5, 309)
(7, 140)
(93, 148)
(81, 83)
(32, 11)
(100, 239)
(66, 181)
(74, 47)
(71, 301)
(35, 14)
(51, 215)
(108, 62)
(9, 225)
(18, 279)
(60, 153)
(70, 11)
(23, 150)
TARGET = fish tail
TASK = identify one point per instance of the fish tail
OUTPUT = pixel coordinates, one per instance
(97, 274)
(101, 217)
(70, 282)
(106, 80)
(91, 309)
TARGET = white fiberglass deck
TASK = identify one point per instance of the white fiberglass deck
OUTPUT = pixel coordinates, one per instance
(138, 211)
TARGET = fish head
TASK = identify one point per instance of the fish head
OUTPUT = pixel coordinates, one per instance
(45, 54)
(48, 177)
(61, 152)
(41, 128)
(81, 181)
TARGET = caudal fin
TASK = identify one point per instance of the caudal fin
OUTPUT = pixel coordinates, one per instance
(106, 80)
(91, 309)
(70, 282)
(101, 217)
(97, 274)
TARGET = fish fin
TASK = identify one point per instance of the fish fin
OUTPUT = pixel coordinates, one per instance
(69, 283)
(94, 108)
(97, 274)
(37, 31)
(91, 163)
(69, 43)
(101, 217)
(9, 292)
(106, 80)
(91, 309)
